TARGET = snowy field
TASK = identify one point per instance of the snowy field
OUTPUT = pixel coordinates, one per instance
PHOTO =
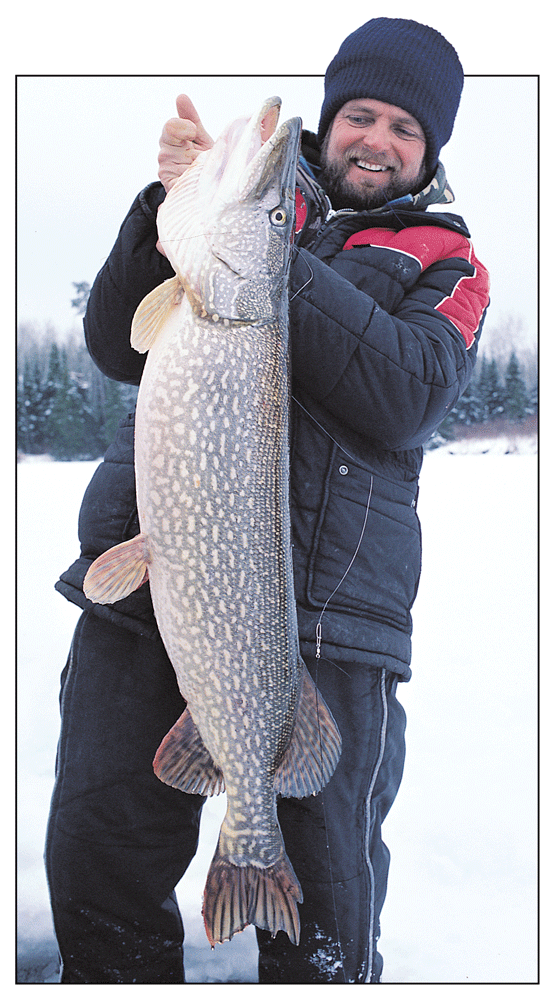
(462, 899)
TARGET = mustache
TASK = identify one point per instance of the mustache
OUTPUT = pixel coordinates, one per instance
(365, 155)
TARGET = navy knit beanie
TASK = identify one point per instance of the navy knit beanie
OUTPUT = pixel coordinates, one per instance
(403, 63)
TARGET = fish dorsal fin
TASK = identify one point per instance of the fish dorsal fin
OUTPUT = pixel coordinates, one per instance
(117, 572)
(183, 761)
(314, 747)
(153, 312)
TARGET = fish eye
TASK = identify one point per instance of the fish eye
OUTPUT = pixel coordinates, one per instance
(278, 216)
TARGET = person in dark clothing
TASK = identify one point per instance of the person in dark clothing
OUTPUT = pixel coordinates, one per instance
(387, 302)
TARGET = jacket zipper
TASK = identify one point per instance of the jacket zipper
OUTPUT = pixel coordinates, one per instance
(333, 215)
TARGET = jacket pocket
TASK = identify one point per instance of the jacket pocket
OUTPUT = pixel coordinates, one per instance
(366, 551)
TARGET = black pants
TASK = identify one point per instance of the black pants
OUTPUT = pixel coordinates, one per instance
(119, 840)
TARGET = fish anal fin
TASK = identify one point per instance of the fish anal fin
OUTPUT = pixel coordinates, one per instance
(183, 761)
(314, 747)
(153, 312)
(118, 571)
(236, 897)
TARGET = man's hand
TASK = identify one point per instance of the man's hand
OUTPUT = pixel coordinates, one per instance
(182, 139)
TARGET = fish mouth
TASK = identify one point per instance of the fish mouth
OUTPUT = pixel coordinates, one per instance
(280, 151)
(290, 139)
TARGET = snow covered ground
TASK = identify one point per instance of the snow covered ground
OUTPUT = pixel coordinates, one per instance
(462, 899)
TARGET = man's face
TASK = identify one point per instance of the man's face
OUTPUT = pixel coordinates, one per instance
(373, 152)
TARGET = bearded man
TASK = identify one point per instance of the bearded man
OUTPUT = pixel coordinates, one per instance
(387, 301)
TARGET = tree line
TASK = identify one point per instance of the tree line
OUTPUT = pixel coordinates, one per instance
(66, 407)
(500, 392)
(69, 410)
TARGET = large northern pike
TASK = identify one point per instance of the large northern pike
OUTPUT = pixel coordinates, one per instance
(212, 474)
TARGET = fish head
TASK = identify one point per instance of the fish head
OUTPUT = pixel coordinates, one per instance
(227, 225)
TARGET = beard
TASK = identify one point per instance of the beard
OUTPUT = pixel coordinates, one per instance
(343, 193)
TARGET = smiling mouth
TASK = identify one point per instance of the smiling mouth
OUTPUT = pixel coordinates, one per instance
(370, 167)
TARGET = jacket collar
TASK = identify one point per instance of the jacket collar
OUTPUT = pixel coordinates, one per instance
(437, 191)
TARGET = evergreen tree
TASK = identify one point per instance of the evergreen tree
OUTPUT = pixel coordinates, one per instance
(82, 293)
(465, 412)
(31, 405)
(516, 401)
(65, 422)
(490, 391)
(468, 409)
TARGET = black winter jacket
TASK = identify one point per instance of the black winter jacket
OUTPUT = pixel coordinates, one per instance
(386, 308)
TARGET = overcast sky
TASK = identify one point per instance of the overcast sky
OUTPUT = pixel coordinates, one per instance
(86, 144)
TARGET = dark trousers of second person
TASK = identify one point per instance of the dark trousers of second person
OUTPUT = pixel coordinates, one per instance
(119, 840)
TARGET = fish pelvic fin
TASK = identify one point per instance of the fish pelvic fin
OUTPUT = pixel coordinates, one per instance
(183, 761)
(153, 312)
(118, 571)
(236, 897)
(314, 747)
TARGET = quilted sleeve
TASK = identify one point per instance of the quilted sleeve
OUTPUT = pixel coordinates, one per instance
(391, 372)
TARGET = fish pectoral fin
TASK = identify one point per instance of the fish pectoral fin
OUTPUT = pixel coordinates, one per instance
(118, 571)
(183, 761)
(240, 896)
(153, 312)
(314, 747)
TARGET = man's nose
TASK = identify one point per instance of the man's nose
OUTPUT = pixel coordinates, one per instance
(376, 137)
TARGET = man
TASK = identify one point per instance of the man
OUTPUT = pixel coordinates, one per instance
(386, 306)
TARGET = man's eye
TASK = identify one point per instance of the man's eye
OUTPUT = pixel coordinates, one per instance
(357, 121)
(408, 133)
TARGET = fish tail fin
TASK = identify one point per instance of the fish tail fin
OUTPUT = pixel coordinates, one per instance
(236, 897)
(118, 571)
(314, 747)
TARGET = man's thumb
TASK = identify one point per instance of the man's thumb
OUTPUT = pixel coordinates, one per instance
(188, 112)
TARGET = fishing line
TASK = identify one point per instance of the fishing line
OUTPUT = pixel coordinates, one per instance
(317, 658)
(199, 234)
(342, 579)
(307, 283)
(322, 427)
